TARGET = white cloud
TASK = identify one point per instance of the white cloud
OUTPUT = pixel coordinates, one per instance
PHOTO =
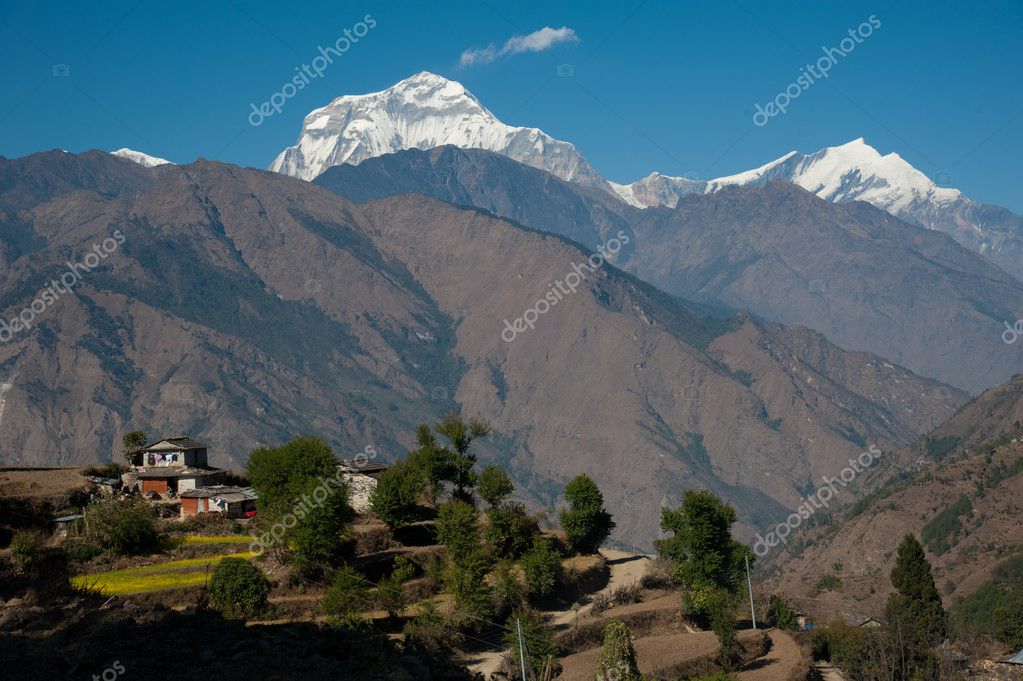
(537, 41)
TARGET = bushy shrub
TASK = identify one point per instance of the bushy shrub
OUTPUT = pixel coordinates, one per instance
(508, 591)
(430, 636)
(617, 657)
(346, 595)
(81, 552)
(586, 522)
(493, 485)
(122, 527)
(542, 566)
(541, 651)
(238, 589)
(780, 614)
(390, 592)
(396, 497)
(27, 549)
(509, 531)
(457, 529)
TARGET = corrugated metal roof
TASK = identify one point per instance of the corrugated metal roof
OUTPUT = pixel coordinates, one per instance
(228, 493)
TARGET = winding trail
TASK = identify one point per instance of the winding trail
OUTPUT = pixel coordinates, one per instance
(626, 568)
(778, 664)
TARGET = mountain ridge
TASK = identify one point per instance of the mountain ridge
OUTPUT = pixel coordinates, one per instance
(427, 110)
(245, 307)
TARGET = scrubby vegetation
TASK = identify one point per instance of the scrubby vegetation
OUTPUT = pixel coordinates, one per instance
(122, 527)
(996, 608)
(238, 589)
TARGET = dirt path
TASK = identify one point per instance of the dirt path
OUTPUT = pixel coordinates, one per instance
(829, 673)
(653, 653)
(778, 664)
(626, 568)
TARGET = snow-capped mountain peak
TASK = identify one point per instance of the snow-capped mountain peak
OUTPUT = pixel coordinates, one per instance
(140, 158)
(421, 112)
(854, 171)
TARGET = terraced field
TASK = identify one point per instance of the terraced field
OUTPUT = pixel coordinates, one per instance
(175, 574)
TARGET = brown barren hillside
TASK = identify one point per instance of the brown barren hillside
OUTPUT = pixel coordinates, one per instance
(964, 499)
(245, 307)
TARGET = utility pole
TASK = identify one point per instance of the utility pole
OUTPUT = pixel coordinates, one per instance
(522, 649)
(749, 585)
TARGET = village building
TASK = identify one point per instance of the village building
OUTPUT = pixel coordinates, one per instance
(361, 478)
(236, 502)
(171, 466)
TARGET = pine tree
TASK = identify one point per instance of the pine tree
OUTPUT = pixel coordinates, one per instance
(916, 619)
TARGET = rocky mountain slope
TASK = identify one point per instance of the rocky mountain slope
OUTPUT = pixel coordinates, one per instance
(868, 281)
(960, 492)
(244, 307)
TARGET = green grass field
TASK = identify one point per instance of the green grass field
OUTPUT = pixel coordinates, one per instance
(175, 574)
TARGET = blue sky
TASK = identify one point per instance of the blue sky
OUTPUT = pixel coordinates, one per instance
(665, 86)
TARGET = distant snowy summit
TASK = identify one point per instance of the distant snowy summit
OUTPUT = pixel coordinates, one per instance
(421, 112)
(427, 111)
(140, 158)
(855, 171)
(851, 172)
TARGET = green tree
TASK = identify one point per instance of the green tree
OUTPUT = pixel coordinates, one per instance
(122, 527)
(298, 482)
(460, 434)
(238, 589)
(720, 606)
(390, 592)
(347, 595)
(541, 651)
(396, 497)
(780, 614)
(465, 575)
(317, 539)
(508, 591)
(586, 522)
(542, 567)
(458, 530)
(466, 580)
(281, 475)
(705, 555)
(510, 529)
(915, 617)
(452, 462)
(617, 657)
(132, 441)
(493, 485)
